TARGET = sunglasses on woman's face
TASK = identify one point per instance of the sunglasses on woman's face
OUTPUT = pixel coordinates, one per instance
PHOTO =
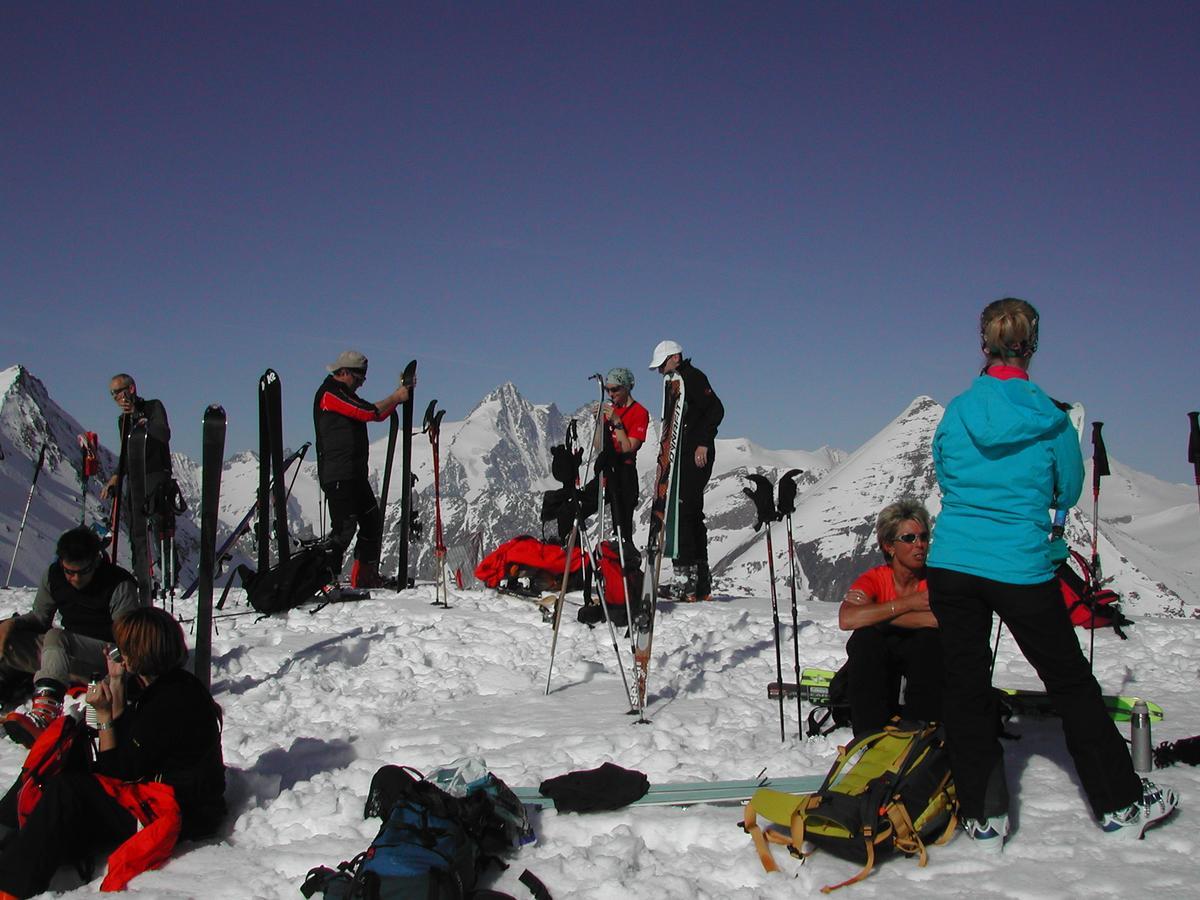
(912, 537)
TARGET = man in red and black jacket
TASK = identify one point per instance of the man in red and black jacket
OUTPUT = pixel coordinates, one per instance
(340, 418)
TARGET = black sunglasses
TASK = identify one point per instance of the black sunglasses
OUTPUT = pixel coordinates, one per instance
(912, 537)
(77, 573)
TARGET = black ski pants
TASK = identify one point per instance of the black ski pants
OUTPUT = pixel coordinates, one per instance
(1037, 619)
(74, 818)
(353, 508)
(877, 658)
(693, 535)
(143, 531)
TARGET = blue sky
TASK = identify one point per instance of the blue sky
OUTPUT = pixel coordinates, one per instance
(815, 199)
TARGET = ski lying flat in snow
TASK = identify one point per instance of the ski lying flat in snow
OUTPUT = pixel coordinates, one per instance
(688, 793)
(814, 689)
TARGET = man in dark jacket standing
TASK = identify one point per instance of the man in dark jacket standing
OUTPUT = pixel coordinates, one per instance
(87, 593)
(340, 419)
(134, 409)
(702, 414)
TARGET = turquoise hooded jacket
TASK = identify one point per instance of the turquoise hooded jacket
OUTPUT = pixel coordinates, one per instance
(1004, 454)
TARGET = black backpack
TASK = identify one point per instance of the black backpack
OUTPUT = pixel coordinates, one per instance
(289, 584)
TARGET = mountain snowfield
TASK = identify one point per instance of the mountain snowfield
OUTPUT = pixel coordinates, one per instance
(496, 464)
(316, 700)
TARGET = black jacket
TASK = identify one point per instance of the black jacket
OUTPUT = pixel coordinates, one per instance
(172, 733)
(158, 433)
(702, 409)
(340, 420)
(89, 611)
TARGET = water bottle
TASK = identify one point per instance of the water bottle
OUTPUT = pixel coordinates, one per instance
(1139, 737)
(89, 711)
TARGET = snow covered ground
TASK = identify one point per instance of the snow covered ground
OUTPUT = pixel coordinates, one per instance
(315, 703)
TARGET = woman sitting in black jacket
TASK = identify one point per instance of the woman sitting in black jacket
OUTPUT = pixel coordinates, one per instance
(170, 734)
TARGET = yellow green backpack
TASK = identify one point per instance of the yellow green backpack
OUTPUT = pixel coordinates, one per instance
(890, 790)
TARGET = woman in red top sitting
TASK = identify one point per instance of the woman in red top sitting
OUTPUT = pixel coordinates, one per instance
(895, 634)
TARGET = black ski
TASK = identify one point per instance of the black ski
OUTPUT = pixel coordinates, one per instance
(125, 422)
(243, 527)
(138, 521)
(213, 454)
(393, 430)
(407, 479)
(270, 460)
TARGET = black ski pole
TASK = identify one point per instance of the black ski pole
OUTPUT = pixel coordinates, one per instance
(763, 496)
(37, 470)
(1099, 470)
(787, 506)
(1194, 449)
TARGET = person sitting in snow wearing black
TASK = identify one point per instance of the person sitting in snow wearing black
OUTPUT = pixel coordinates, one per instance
(88, 594)
(895, 634)
(159, 773)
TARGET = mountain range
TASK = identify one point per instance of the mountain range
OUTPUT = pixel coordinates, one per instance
(495, 465)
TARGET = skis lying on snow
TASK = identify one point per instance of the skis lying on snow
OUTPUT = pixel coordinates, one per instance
(688, 793)
(662, 538)
(814, 689)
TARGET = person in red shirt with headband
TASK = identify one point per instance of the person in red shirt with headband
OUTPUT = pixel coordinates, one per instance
(895, 634)
(340, 419)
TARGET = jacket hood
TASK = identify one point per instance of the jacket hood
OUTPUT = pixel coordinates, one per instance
(1001, 413)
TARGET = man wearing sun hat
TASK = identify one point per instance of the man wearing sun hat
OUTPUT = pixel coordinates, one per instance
(340, 419)
(702, 414)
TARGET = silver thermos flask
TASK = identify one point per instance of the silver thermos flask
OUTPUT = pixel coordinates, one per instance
(1139, 737)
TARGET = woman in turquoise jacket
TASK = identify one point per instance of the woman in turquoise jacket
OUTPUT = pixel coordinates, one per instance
(1005, 454)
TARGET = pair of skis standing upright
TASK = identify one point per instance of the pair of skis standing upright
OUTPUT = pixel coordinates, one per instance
(662, 540)
(273, 468)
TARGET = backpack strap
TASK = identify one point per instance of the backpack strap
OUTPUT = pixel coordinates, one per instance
(780, 809)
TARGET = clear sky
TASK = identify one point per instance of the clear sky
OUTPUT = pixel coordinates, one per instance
(816, 199)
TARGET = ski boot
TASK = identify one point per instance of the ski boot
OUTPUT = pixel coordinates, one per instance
(685, 583)
(703, 585)
(25, 728)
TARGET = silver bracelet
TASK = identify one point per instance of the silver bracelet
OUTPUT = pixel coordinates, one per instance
(104, 726)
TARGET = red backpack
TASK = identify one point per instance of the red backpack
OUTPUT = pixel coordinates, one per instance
(64, 746)
(1089, 604)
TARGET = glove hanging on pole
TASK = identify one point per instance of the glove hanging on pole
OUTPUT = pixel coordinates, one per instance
(787, 492)
(763, 496)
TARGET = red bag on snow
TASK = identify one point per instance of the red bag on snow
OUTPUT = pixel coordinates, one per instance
(1089, 605)
(525, 553)
(610, 569)
(64, 746)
